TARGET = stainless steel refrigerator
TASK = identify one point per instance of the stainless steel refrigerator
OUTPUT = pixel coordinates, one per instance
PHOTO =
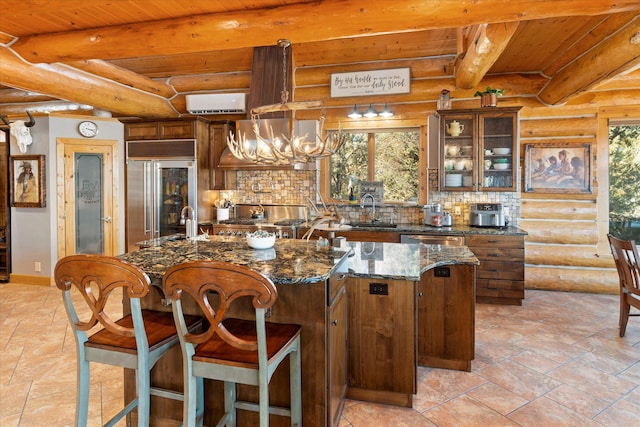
(157, 191)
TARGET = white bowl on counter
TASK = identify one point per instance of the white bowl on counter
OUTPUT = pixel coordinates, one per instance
(261, 239)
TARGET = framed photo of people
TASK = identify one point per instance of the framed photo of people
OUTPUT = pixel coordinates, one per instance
(557, 168)
(27, 176)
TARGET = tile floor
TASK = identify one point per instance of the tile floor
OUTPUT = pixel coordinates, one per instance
(555, 361)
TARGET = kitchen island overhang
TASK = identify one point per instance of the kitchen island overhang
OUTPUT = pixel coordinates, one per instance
(310, 280)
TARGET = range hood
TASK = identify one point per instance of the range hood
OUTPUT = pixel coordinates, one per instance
(279, 126)
(266, 69)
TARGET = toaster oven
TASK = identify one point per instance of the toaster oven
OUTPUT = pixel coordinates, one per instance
(487, 215)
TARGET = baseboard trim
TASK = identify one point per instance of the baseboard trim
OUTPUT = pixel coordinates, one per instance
(27, 279)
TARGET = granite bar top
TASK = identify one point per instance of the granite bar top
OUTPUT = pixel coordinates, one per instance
(403, 261)
(293, 261)
(290, 261)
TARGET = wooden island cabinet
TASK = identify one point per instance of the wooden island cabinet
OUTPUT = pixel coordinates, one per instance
(446, 317)
(359, 314)
(382, 340)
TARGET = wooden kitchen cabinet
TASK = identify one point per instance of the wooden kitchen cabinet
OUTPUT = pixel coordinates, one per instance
(479, 149)
(500, 275)
(337, 347)
(446, 317)
(382, 340)
(220, 178)
(177, 129)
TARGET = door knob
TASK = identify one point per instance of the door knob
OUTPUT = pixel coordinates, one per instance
(106, 219)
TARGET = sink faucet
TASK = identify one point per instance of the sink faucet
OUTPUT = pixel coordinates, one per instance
(373, 205)
(190, 224)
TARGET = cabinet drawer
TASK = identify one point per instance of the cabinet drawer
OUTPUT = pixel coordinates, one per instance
(498, 253)
(497, 270)
(499, 288)
(334, 284)
(493, 241)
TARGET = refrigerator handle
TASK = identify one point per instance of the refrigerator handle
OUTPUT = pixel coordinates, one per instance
(147, 194)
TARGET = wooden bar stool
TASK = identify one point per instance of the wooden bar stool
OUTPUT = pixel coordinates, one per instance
(232, 350)
(136, 341)
(627, 259)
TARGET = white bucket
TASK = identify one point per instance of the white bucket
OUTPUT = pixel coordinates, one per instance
(222, 214)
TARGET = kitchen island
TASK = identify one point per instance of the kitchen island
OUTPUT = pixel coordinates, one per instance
(312, 291)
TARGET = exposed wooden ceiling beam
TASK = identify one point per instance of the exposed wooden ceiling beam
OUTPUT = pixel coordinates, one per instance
(482, 52)
(617, 54)
(303, 22)
(64, 82)
(124, 76)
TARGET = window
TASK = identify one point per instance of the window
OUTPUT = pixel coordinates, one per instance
(390, 156)
(624, 175)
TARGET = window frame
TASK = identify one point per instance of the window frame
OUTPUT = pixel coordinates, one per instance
(324, 175)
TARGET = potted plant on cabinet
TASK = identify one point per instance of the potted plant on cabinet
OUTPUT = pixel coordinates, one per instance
(489, 96)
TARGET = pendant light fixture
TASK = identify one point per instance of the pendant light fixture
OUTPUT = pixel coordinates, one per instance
(355, 114)
(386, 113)
(370, 113)
(284, 147)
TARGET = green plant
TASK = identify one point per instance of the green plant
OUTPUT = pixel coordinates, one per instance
(489, 89)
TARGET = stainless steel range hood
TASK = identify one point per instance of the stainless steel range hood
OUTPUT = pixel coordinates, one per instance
(279, 126)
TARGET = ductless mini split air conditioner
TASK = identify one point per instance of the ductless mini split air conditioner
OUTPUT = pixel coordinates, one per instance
(216, 103)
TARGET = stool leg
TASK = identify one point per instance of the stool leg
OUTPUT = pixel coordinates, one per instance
(230, 403)
(295, 385)
(264, 399)
(82, 389)
(192, 397)
(144, 395)
(200, 405)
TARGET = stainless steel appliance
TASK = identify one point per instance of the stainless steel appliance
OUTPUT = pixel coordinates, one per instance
(430, 239)
(434, 216)
(279, 219)
(160, 184)
(487, 215)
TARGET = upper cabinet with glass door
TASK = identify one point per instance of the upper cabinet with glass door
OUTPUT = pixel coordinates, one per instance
(458, 139)
(494, 139)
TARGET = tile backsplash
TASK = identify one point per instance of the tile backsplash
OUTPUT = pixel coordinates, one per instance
(297, 187)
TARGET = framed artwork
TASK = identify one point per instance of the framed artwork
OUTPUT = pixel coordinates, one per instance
(557, 168)
(27, 177)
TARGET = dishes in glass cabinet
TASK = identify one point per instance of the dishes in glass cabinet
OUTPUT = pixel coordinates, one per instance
(502, 151)
(453, 180)
(501, 166)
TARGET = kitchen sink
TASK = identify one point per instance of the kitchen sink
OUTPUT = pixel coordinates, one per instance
(373, 225)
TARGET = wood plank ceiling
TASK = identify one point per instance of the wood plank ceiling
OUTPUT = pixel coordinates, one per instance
(140, 58)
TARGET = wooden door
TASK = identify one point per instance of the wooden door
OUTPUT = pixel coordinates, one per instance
(88, 191)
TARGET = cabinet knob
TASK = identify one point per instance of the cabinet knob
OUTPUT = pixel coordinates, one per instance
(334, 322)
(420, 294)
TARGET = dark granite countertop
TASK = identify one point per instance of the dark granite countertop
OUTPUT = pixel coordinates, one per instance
(294, 261)
(403, 261)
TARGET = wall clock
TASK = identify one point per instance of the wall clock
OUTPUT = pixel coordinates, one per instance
(88, 129)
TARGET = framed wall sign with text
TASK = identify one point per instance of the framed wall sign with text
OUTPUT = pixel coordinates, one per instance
(374, 82)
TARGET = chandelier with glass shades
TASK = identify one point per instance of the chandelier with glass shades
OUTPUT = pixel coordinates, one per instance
(284, 147)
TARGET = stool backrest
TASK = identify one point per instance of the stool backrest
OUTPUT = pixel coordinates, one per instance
(203, 279)
(95, 277)
(625, 255)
